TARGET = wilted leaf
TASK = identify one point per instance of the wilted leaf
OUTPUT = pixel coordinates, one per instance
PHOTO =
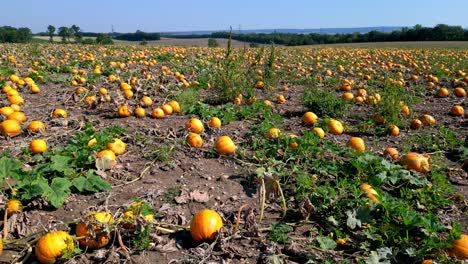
(183, 197)
(352, 221)
(199, 196)
(104, 164)
(326, 242)
(306, 209)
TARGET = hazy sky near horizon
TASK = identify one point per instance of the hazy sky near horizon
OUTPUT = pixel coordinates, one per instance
(191, 15)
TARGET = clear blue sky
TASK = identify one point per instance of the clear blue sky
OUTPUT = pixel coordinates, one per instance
(190, 15)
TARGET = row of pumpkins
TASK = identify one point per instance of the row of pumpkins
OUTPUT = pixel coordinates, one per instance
(95, 230)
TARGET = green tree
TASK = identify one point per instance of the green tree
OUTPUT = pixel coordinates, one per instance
(213, 43)
(103, 39)
(76, 33)
(65, 33)
(51, 32)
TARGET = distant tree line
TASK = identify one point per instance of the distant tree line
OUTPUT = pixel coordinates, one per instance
(440, 32)
(15, 35)
(138, 36)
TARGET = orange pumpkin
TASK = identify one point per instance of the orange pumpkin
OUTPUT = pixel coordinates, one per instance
(335, 127)
(348, 96)
(58, 112)
(18, 116)
(10, 128)
(293, 141)
(416, 162)
(38, 146)
(415, 124)
(393, 131)
(309, 118)
(215, 122)
(205, 225)
(124, 111)
(225, 146)
(98, 236)
(175, 106)
(442, 92)
(146, 101)
(52, 246)
(167, 109)
(460, 248)
(140, 112)
(457, 110)
(319, 132)
(356, 143)
(194, 125)
(370, 192)
(428, 120)
(392, 152)
(405, 110)
(194, 140)
(460, 92)
(280, 99)
(158, 113)
(6, 110)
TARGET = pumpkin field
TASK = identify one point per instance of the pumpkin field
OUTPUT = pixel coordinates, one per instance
(153, 154)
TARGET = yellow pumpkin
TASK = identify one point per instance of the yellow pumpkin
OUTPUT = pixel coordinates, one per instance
(416, 162)
(52, 246)
(205, 225)
(109, 154)
(225, 146)
(36, 126)
(335, 127)
(117, 146)
(273, 133)
(98, 236)
(58, 112)
(13, 206)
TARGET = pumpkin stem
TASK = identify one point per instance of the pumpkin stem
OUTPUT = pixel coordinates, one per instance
(236, 226)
